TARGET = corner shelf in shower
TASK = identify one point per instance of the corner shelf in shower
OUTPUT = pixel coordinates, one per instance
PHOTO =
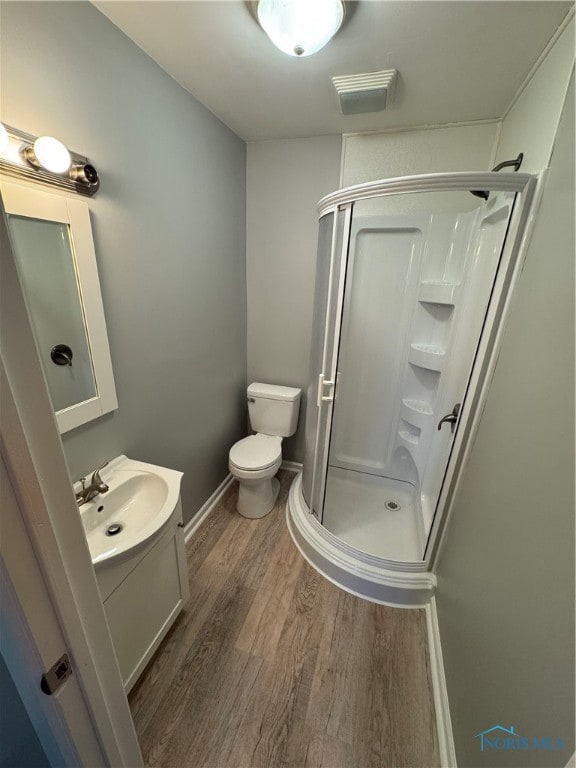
(417, 406)
(409, 436)
(427, 356)
(416, 412)
(438, 293)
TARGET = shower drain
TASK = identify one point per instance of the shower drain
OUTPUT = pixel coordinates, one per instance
(113, 529)
(392, 505)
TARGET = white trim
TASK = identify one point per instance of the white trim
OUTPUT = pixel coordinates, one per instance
(427, 182)
(439, 689)
(539, 61)
(192, 525)
(29, 202)
(292, 466)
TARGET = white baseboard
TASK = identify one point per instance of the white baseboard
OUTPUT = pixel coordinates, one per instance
(441, 705)
(292, 466)
(192, 526)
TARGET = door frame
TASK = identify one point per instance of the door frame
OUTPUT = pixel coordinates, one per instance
(97, 722)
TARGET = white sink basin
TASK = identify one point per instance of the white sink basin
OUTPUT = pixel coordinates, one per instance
(141, 499)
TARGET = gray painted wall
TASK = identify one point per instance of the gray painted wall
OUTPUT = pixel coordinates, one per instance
(285, 180)
(506, 576)
(169, 228)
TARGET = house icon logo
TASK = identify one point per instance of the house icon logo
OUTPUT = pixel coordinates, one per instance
(499, 738)
(493, 737)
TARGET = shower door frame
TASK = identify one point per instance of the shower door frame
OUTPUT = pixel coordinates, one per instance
(527, 189)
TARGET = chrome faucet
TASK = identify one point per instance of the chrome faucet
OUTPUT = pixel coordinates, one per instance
(96, 486)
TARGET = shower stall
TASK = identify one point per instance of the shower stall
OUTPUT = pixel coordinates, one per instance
(413, 280)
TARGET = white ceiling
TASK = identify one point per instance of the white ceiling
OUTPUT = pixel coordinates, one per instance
(458, 60)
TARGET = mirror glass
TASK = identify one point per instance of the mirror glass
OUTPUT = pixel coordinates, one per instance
(53, 250)
(45, 260)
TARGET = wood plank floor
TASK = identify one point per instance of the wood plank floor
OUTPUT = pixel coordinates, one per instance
(271, 666)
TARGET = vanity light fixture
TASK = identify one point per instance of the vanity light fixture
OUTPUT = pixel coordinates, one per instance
(85, 173)
(45, 160)
(300, 27)
(48, 153)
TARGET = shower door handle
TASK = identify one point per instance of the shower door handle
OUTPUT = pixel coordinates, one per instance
(451, 418)
(322, 398)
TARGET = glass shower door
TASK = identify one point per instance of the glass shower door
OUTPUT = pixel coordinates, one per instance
(332, 256)
(407, 304)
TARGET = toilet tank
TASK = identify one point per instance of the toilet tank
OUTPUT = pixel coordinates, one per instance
(273, 409)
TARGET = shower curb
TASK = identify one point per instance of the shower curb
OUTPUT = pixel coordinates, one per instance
(405, 585)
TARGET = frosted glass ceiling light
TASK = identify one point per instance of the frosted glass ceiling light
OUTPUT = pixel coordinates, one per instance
(49, 153)
(300, 27)
(4, 138)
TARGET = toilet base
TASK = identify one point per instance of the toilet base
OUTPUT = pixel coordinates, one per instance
(257, 497)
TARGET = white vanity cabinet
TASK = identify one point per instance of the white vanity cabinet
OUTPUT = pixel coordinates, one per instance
(143, 592)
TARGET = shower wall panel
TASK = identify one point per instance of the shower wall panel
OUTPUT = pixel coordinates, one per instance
(417, 287)
(381, 287)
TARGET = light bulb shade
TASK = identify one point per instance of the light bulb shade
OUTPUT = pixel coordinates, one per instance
(51, 154)
(300, 27)
(4, 138)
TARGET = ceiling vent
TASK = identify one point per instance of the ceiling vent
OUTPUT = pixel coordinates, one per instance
(370, 92)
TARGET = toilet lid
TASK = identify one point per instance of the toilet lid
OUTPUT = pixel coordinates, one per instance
(256, 452)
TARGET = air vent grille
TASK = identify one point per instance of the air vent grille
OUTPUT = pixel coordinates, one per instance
(368, 92)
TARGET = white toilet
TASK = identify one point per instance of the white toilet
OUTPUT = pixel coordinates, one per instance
(273, 412)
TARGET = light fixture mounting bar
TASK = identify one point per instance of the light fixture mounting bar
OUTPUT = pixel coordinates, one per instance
(14, 164)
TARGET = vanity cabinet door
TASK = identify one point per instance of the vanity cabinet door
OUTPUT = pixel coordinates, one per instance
(143, 607)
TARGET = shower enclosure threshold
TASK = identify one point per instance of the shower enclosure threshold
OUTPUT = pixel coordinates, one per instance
(375, 578)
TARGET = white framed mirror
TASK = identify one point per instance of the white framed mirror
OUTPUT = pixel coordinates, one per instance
(52, 243)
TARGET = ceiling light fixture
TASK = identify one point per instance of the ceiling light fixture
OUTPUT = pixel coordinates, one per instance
(48, 153)
(300, 27)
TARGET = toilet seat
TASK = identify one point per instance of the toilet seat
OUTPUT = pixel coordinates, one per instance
(256, 452)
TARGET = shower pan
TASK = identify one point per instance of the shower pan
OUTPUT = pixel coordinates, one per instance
(413, 281)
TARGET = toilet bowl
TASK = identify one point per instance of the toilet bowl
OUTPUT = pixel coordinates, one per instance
(255, 460)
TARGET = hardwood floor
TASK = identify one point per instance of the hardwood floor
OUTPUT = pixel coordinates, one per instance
(272, 666)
